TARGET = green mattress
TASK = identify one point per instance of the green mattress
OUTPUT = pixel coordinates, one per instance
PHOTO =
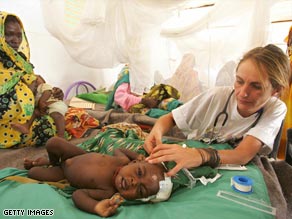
(26, 199)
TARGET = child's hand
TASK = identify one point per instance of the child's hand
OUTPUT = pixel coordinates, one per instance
(106, 207)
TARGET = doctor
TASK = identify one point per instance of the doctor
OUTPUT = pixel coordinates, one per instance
(247, 115)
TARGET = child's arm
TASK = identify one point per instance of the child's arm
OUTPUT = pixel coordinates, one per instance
(43, 104)
(131, 155)
(94, 201)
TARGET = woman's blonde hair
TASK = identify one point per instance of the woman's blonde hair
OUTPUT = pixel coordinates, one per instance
(272, 60)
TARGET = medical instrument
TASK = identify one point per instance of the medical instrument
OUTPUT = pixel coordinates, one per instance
(231, 167)
(212, 137)
(192, 179)
(223, 112)
(248, 202)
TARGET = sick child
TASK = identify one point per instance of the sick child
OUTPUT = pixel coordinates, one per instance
(98, 177)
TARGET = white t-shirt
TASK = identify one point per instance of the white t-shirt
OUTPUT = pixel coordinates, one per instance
(196, 118)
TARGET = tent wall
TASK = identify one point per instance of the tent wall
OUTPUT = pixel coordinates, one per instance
(210, 49)
(48, 55)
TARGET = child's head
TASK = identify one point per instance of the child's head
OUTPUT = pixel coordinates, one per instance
(139, 180)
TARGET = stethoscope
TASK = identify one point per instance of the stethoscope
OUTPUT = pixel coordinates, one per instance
(223, 112)
(210, 137)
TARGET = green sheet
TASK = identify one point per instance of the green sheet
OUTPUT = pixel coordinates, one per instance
(99, 96)
(199, 202)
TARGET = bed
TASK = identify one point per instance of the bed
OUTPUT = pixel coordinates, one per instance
(201, 201)
(272, 191)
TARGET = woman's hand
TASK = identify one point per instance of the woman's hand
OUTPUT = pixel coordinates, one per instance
(58, 93)
(153, 139)
(162, 126)
(183, 157)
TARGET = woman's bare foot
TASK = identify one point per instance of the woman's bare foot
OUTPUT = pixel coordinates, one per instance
(20, 127)
(41, 161)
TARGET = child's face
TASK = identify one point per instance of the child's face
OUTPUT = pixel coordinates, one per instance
(139, 179)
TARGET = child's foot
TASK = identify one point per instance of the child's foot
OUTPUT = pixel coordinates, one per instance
(20, 127)
(61, 135)
(41, 161)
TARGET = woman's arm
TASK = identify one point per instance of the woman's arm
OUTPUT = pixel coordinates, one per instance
(193, 157)
(243, 153)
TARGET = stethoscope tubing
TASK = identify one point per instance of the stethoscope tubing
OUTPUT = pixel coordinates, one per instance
(223, 112)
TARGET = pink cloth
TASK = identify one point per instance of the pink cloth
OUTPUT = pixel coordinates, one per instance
(124, 97)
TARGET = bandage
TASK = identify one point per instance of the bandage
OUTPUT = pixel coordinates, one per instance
(165, 189)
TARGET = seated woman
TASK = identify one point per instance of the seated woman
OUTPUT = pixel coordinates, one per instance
(16, 99)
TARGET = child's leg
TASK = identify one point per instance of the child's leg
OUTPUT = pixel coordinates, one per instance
(51, 174)
(60, 149)
(59, 122)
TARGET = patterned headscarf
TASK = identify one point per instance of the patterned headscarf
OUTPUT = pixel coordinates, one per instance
(20, 67)
(23, 48)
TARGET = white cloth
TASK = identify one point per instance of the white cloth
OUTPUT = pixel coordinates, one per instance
(105, 33)
(58, 106)
(185, 78)
(197, 117)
